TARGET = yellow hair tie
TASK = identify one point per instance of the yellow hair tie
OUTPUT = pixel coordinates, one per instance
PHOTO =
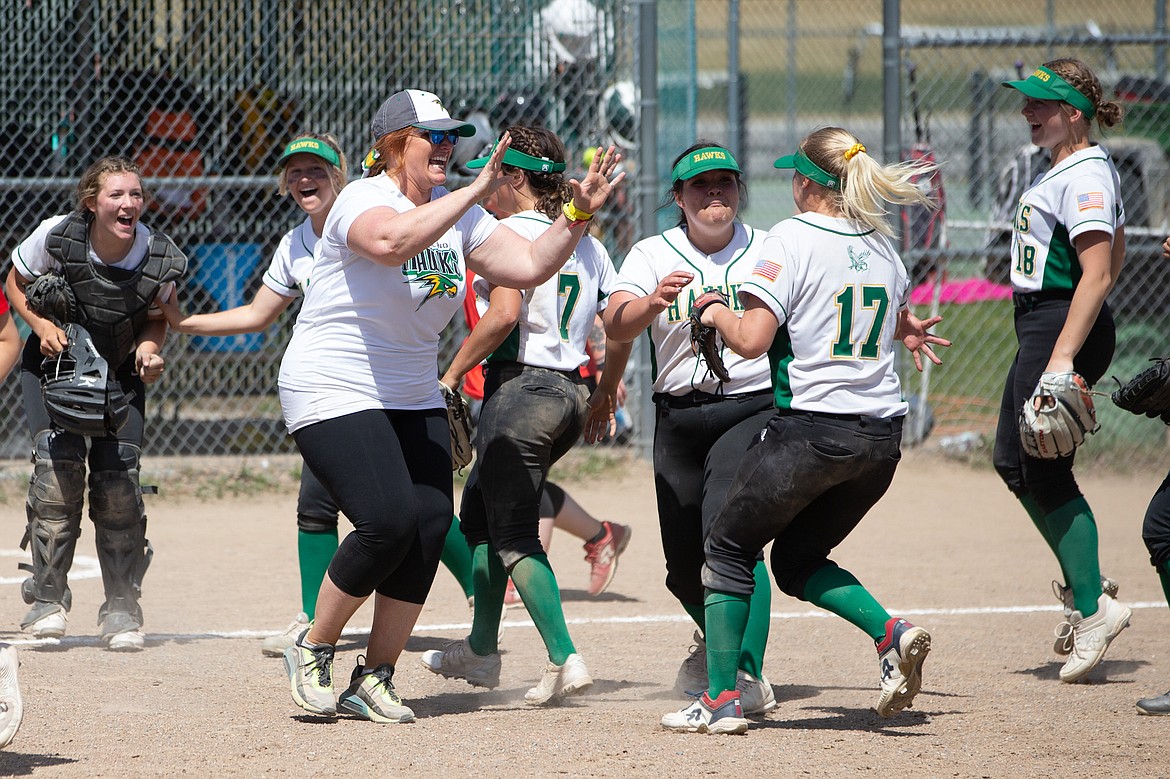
(853, 151)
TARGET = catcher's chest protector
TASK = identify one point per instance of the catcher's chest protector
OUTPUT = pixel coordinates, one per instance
(114, 312)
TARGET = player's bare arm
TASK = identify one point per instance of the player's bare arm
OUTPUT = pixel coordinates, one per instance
(749, 335)
(252, 317)
(502, 314)
(628, 315)
(1094, 252)
(148, 361)
(10, 343)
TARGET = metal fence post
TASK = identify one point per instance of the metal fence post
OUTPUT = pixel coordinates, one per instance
(646, 74)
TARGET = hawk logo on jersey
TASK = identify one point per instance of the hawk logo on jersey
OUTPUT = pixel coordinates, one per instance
(857, 261)
(435, 270)
(437, 285)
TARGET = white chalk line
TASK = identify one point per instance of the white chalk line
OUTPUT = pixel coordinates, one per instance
(527, 623)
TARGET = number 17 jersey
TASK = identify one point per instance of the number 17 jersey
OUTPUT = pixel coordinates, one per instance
(836, 290)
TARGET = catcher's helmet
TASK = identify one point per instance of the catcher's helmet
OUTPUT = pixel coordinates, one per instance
(79, 393)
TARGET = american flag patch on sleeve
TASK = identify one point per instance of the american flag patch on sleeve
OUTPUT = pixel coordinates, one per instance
(768, 269)
(1090, 200)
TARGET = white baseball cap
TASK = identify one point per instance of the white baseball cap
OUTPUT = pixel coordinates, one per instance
(416, 108)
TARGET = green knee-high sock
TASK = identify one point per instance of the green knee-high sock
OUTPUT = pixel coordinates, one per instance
(1074, 530)
(727, 618)
(1164, 576)
(315, 552)
(755, 635)
(696, 612)
(1036, 514)
(457, 557)
(537, 585)
(835, 589)
(490, 582)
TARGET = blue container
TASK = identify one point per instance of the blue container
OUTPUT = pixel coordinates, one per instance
(224, 270)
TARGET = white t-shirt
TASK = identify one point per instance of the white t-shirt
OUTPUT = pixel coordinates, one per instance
(557, 317)
(1082, 194)
(288, 272)
(676, 369)
(32, 260)
(836, 291)
(367, 336)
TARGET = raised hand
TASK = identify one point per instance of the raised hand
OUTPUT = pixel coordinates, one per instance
(590, 193)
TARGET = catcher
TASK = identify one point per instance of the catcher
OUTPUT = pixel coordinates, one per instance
(88, 283)
(1149, 393)
(1068, 244)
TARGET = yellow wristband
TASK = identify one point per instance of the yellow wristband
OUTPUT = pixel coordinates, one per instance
(574, 214)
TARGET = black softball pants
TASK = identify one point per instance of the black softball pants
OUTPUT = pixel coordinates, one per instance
(699, 442)
(804, 484)
(1038, 324)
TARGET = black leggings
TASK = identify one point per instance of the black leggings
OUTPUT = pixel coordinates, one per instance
(390, 474)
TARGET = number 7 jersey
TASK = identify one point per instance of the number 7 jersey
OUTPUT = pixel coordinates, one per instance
(836, 292)
(556, 318)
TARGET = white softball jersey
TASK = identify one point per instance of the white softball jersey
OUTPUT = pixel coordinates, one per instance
(367, 336)
(836, 290)
(675, 368)
(556, 317)
(32, 260)
(288, 272)
(1082, 194)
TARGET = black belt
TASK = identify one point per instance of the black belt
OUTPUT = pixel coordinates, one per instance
(1029, 300)
(894, 422)
(699, 398)
(518, 367)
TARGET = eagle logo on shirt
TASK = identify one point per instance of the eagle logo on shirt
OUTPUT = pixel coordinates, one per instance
(857, 261)
(436, 271)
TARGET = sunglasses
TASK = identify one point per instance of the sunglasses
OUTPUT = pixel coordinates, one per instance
(436, 137)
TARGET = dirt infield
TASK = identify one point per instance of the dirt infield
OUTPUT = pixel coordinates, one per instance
(947, 548)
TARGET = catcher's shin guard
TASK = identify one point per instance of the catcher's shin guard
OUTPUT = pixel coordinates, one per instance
(119, 518)
(55, 497)
(124, 556)
(53, 543)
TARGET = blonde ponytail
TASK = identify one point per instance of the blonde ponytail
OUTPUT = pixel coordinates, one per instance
(867, 187)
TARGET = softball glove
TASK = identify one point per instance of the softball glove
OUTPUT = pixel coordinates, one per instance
(1147, 393)
(705, 342)
(459, 420)
(50, 297)
(1066, 415)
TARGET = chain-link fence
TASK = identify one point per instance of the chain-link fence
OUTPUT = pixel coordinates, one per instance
(203, 93)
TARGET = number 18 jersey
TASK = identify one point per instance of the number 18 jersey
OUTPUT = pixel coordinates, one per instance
(1080, 195)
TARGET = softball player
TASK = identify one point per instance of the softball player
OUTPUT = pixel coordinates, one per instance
(11, 703)
(604, 541)
(119, 271)
(1068, 244)
(825, 301)
(1156, 535)
(535, 408)
(702, 428)
(358, 382)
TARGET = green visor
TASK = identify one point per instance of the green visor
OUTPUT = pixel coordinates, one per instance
(807, 168)
(313, 146)
(518, 159)
(701, 161)
(1044, 84)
